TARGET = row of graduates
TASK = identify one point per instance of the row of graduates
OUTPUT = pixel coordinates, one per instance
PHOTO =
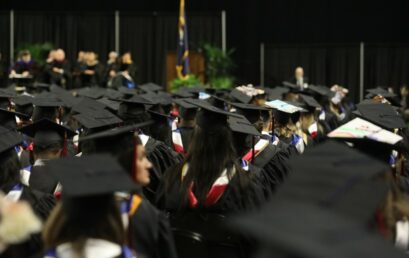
(86, 71)
(208, 152)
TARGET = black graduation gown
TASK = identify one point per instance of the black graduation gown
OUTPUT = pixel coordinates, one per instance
(41, 181)
(56, 78)
(91, 80)
(162, 157)
(42, 204)
(150, 231)
(235, 198)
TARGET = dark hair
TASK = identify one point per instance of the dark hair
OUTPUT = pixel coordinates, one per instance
(10, 170)
(75, 220)
(49, 148)
(210, 152)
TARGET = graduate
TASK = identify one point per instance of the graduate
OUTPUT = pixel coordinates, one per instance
(87, 221)
(49, 142)
(90, 73)
(14, 190)
(148, 228)
(183, 128)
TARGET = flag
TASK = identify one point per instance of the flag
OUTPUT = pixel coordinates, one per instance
(182, 66)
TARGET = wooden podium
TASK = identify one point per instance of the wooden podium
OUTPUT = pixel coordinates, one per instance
(197, 66)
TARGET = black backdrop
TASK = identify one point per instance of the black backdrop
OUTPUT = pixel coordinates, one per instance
(273, 22)
(148, 36)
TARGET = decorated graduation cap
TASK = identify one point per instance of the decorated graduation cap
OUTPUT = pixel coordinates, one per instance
(292, 229)
(9, 139)
(187, 111)
(150, 87)
(283, 110)
(90, 176)
(381, 114)
(368, 138)
(46, 132)
(250, 111)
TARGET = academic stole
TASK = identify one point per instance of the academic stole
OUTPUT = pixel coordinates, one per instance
(215, 192)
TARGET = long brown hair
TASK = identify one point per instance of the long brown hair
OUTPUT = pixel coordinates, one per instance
(77, 219)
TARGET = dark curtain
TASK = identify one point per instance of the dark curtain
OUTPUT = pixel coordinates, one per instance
(386, 65)
(4, 46)
(323, 64)
(150, 37)
(69, 31)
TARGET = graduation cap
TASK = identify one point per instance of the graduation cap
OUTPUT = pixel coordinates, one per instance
(47, 100)
(250, 111)
(321, 90)
(5, 98)
(240, 96)
(303, 230)
(337, 177)
(187, 110)
(110, 104)
(129, 108)
(8, 118)
(9, 139)
(381, 114)
(127, 92)
(92, 93)
(65, 96)
(86, 105)
(97, 119)
(242, 125)
(210, 117)
(150, 87)
(276, 93)
(368, 138)
(182, 93)
(309, 102)
(46, 132)
(380, 91)
(292, 87)
(24, 105)
(89, 176)
(113, 94)
(218, 102)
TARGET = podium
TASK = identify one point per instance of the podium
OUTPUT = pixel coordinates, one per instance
(196, 62)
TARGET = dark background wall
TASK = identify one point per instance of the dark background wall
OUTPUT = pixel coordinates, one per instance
(281, 22)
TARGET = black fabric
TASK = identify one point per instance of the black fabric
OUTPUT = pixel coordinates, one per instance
(324, 64)
(150, 229)
(4, 46)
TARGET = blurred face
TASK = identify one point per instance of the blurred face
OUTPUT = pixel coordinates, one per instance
(142, 166)
(113, 55)
(59, 55)
(26, 58)
(299, 73)
(126, 58)
(81, 56)
(404, 91)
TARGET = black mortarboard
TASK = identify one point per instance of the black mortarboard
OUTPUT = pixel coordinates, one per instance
(110, 104)
(5, 98)
(240, 96)
(47, 100)
(275, 93)
(92, 93)
(127, 92)
(321, 90)
(8, 118)
(150, 87)
(46, 132)
(24, 105)
(97, 119)
(91, 175)
(310, 102)
(307, 231)
(380, 91)
(292, 87)
(250, 111)
(132, 107)
(218, 102)
(9, 139)
(187, 110)
(381, 114)
(181, 93)
(210, 117)
(113, 94)
(65, 96)
(242, 125)
(86, 105)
